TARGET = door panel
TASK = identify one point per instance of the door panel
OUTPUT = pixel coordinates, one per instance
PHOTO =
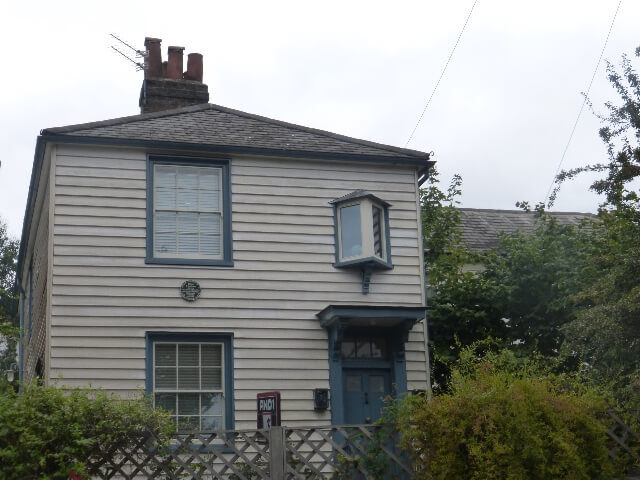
(364, 394)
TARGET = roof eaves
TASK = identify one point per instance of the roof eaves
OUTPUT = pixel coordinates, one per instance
(50, 136)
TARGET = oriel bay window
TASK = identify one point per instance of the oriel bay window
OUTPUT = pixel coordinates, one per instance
(362, 234)
(188, 211)
(190, 377)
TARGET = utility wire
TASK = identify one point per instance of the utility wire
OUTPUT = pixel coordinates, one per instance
(441, 74)
(584, 102)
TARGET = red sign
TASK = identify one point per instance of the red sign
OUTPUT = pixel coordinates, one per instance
(268, 410)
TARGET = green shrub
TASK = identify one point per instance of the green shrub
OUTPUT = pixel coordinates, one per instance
(46, 432)
(501, 421)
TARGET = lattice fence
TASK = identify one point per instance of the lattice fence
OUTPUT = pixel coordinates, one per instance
(353, 452)
(626, 439)
(228, 455)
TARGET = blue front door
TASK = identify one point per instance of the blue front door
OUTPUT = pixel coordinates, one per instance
(365, 391)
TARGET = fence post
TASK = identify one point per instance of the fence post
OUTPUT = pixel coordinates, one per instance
(277, 453)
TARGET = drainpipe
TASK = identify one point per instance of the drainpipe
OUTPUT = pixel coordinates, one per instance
(422, 177)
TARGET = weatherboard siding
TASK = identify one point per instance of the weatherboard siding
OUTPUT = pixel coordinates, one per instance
(105, 298)
(35, 326)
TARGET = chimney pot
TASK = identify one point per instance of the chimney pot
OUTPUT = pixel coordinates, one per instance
(174, 66)
(194, 67)
(154, 58)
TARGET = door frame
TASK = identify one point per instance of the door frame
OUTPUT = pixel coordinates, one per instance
(395, 364)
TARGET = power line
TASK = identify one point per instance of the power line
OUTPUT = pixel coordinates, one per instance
(584, 102)
(442, 74)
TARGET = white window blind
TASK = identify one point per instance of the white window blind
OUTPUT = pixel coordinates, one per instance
(188, 381)
(187, 211)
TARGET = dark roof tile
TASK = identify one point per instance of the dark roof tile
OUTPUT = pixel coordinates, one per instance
(480, 228)
(215, 125)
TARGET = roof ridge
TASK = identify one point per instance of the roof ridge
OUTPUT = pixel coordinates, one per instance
(497, 210)
(126, 119)
(210, 106)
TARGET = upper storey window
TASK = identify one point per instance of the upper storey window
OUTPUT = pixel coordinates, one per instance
(362, 233)
(188, 211)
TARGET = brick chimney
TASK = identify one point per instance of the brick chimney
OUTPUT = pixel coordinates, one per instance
(165, 85)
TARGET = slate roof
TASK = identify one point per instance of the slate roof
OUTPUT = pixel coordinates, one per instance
(481, 227)
(214, 125)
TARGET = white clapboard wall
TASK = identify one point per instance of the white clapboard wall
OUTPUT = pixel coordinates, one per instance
(104, 297)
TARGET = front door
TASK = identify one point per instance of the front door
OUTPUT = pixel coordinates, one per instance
(365, 391)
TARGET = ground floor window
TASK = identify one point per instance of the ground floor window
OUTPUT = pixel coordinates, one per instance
(192, 378)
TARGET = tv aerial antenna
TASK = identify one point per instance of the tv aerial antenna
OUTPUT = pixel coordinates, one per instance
(138, 54)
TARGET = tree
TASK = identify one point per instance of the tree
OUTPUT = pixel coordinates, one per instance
(621, 135)
(521, 298)
(605, 335)
(8, 298)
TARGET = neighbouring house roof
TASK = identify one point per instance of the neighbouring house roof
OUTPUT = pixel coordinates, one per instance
(231, 130)
(482, 227)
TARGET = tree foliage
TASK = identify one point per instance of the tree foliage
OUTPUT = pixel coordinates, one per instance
(8, 298)
(621, 134)
(46, 433)
(520, 295)
(502, 419)
(571, 294)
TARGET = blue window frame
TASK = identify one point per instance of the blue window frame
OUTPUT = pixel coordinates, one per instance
(189, 211)
(191, 376)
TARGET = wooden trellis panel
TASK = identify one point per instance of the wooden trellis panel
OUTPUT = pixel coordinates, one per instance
(315, 453)
(310, 453)
(216, 455)
(623, 436)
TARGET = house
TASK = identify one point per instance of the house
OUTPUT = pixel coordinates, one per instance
(206, 255)
(480, 229)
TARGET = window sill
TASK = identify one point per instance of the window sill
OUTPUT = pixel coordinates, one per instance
(373, 263)
(189, 261)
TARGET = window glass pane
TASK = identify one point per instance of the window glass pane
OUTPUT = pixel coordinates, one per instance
(209, 178)
(165, 176)
(167, 401)
(187, 222)
(210, 234)
(188, 177)
(212, 378)
(376, 384)
(188, 404)
(165, 378)
(379, 347)
(211, 355)
(187, 199)
(188, 424)
(165, 354)
(350, 231)
(354, 383)
(211, 404)
(364, 348)
(188, 243)
(348, 347)
(188, 354)
(165, 198)
(210, 424)
(377, 231)
(188, 378)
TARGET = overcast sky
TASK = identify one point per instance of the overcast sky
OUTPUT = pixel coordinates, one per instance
(501, 116)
